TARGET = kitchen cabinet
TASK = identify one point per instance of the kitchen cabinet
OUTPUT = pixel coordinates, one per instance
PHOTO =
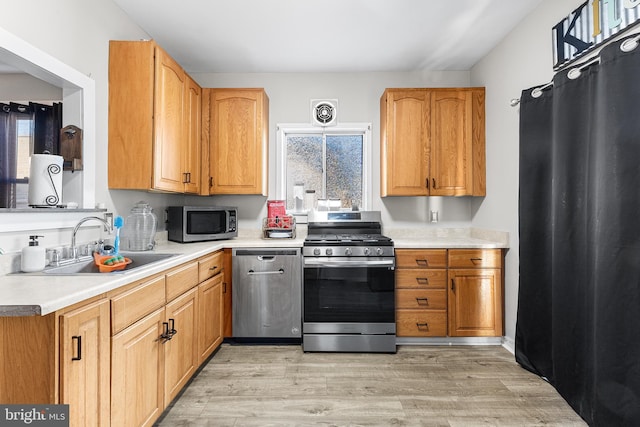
(432, 142)
(84, 364)
(155, 345)
(154, 141)
(211, 305)
(227, 294)
(181, 350)
(449, 292)
(193, 123)
(137, 389)
(421, 294)
(60, 358)
(475, 292)
(238, 129)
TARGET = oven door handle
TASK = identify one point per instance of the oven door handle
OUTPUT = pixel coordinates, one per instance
(350, 263)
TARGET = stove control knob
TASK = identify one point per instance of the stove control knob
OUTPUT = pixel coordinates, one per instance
(366, 251)
(316, 251)
(379, 251)
(329, 251)
(348, 251)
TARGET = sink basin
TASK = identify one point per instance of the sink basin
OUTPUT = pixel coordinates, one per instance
(138, 259)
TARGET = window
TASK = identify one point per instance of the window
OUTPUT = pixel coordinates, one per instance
(334, 162)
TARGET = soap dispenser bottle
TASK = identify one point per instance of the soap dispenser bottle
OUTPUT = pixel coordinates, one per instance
(34, 257)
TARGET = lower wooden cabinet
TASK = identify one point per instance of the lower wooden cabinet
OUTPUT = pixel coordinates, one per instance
(60, 358)
(211, 316)
(181, 350)
(421, 294)
(475, 293)
(84, 364)
(137, 389)
(449, 292)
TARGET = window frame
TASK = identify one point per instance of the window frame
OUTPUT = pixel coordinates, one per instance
(282, 130)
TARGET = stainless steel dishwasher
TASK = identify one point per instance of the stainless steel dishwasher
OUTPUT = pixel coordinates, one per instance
(267, 293)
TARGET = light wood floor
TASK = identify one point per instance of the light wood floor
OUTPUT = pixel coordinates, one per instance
(419, 386)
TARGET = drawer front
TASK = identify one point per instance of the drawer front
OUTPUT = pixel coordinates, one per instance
(414, 278)
(421, 323)
(209, 266)
(181, 280)
(421, 258)
(475, 258)
(136, 303)
(419, 299)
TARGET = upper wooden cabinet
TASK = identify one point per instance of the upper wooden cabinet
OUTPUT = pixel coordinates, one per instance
(237, 130)
(432, 142)
(154, 120)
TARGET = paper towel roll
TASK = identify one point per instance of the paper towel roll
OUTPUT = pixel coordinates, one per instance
(45, 180)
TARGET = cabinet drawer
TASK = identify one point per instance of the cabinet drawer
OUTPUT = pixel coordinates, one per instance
(415, 278)
(421, 258)
(209, 266)
(136, 303)
(181, 280)
(475, 258)
(421, 323)
(419, 299)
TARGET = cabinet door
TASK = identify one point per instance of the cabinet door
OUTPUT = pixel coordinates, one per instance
(136, 373)
(238, 132)
(169, 135)
(84, 364)
(193, 114)
(451, 143)
(227, 294)
(475, 302)
(181, 351)
(404, 152)
(210, 316)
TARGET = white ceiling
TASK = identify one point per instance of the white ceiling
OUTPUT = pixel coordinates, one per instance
(267, 36)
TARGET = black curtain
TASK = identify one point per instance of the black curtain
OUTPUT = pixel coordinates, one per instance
(579, 210)
(46, 127)
(7, 152)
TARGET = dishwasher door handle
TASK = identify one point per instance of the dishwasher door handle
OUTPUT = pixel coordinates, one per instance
(258, 273)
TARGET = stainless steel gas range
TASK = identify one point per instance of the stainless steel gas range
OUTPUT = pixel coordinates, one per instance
(349, 284)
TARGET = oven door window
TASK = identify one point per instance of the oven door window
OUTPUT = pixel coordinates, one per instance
(206, 222)
(349, 294)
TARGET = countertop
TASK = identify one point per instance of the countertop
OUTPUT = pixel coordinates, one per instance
(29, 294)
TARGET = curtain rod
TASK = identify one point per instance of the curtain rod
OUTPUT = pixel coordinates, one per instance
(626, 46)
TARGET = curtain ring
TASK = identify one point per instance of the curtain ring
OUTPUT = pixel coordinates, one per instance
(574, 73)
(629, 44)
(536, 93)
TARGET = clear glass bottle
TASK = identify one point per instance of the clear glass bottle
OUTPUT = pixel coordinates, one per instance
(139, 231)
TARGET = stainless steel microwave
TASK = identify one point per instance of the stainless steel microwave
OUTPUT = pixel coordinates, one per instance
(201, 223)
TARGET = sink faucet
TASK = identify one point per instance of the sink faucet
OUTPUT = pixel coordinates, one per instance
(74, 249)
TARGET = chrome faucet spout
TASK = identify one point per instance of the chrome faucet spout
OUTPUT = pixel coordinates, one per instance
(74, 250)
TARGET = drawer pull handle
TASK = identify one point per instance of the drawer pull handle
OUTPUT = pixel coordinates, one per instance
(422, 326)
(78, 340)
(476, 260)
(453, 285)
(422, 280)
(434, 183)
(422, 262)
(213, 268)
(422, 301)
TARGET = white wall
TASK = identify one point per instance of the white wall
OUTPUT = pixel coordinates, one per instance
(76, 32)
(523, 60)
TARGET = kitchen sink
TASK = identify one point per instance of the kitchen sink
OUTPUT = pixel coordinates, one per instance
(138, 259)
